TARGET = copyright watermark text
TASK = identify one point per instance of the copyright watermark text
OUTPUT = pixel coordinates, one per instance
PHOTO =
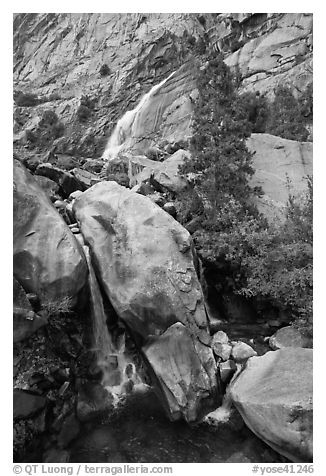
(35, 469)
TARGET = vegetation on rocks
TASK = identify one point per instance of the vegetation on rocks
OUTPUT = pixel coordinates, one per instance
(48, 129)
(271, 264)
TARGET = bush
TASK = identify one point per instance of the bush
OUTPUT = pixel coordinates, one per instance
(105, 70)
(119, 177)
(49, 128)
(49, 118)
(56, 307)
(83, 113)
(286, 118)
(26, 99)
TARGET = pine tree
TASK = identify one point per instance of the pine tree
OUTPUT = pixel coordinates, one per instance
(220, 157)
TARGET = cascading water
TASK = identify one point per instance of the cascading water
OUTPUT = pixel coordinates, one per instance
(126, 125)
(222, 413)
(119, 372)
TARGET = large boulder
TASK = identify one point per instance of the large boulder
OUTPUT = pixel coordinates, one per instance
(143, 257)
(144, 260)
(274, 396)
(67, 182)
(26, 404)
(186, 372)
(48, 261)
(277, 161)
(289, 336)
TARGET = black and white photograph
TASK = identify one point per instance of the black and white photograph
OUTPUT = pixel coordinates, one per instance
(162, 242)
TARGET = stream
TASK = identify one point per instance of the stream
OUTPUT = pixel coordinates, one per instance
(139, 432)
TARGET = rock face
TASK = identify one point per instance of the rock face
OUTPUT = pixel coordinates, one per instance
(47, 259)
(276, 159)
(271, 48)
(59, 58)
(62, 54)
(144, 260)
(274, 396)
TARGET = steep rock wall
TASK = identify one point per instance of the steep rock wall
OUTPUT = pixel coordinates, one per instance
(62, 55)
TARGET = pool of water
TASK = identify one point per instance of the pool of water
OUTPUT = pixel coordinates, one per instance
(139, 432)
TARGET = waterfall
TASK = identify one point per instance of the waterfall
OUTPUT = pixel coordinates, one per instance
(222, 413)
(119, 375)
(126, 125)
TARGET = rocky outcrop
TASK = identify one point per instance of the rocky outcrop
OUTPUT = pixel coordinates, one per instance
(59, 57)
(274, 396)
(144, 260)
(267, 49)
(281, 166)
(48, 261)
(165, 175)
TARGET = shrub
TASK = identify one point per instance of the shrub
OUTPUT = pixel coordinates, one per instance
(57, 307)
(286, 118)
(49, 118)
(49, 128)
(119, 177)
(83, 113)
(26, 99)
(105, 70)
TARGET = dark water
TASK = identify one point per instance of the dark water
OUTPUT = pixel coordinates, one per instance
(139, 432)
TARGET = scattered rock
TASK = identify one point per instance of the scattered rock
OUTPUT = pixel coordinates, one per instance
(93, 400)
(26, 404)
(220, 337)
(274, 396)
(163, 175)
(94, 166)
(241, 352)
(26, 322)
(227, 370)
(68, 183)
(66, 162)
(289, 337)
(169, 207)
(85, 178)
(69, 431)
(222, 350)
